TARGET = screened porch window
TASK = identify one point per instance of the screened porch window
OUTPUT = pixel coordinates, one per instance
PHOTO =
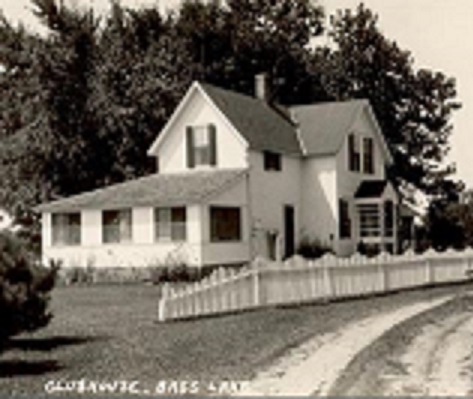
(116, 226)
(66, 228)
(170, 224)
(225, 224)
(369, 220)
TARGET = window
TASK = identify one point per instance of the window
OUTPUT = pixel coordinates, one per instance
(66, 228)
(272, 161)
(170, 224)
(369, 220)
(368, 155)
(225, 224)
(388, 218)
(353, 154)
(344, 219)
(201, 145)
(116, 226)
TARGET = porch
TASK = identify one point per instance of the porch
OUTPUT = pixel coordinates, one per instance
(203, 222)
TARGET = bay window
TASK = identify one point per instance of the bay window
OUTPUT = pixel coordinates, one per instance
(369, 220)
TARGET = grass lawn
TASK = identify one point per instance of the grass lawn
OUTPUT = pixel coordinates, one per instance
(107, 333)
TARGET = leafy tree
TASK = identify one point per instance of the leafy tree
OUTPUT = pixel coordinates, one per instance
(141, 73)
(230, 45)
(413, 107)
(24, 290)
(20, 105)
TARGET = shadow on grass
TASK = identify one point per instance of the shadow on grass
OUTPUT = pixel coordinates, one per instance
(16, 368)
(50, 343)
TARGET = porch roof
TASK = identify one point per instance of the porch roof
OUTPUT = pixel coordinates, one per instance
(371, 189)
(157, 189)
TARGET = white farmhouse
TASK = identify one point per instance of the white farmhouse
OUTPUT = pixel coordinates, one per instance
(238, 178)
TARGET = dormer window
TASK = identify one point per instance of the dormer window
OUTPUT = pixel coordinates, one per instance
(272, 161)
(201, 145)
(353, 153)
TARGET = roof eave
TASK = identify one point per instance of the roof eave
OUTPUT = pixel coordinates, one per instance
(152, 151)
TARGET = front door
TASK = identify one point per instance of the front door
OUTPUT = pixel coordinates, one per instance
(289, 243)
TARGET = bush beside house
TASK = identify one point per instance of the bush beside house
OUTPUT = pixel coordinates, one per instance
(24, 289)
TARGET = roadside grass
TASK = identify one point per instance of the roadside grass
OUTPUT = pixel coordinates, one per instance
(109, 333)
(365, 374)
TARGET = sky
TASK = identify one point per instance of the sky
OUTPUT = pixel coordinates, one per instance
(437, 32)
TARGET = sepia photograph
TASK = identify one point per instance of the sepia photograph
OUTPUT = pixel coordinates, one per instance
(236, 198)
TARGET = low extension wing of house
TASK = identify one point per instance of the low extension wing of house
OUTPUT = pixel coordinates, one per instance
(237, 178)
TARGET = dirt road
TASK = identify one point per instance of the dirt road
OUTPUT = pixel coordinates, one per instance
(429, 355)
(315, 367)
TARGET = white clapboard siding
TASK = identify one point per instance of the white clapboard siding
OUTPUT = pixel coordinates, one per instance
(297, 280)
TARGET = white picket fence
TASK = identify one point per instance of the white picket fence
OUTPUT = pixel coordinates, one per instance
(297, 280)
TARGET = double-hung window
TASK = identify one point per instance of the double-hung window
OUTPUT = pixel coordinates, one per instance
(388, 218)
(272, 161)
(368, 155)
(344, 219)
(225, 224)
(353, 153)
(170, 224)
(116, 226)
(66, 228)
(201, 145)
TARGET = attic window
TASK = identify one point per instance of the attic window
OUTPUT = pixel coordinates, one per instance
(201, 145)
(272, 161)
(353, 153)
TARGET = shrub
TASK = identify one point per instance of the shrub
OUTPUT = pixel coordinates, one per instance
(312, 248)
(24, 289)
(368, 250)
(177, 274)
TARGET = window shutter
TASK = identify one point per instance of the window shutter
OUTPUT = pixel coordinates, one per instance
(350, 152)
(213, 144)
(190, 147)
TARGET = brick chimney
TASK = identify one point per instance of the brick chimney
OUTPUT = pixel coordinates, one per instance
(262, 87)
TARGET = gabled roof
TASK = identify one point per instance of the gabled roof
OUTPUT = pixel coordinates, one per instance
(153, 190)
(316, 129)
(371, 189)
(263, 126)
(323, 127)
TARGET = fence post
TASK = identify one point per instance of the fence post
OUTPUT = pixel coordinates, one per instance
(256, 286)
(328, 281)
(162, 302)
(383, 276)
(428, 271)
